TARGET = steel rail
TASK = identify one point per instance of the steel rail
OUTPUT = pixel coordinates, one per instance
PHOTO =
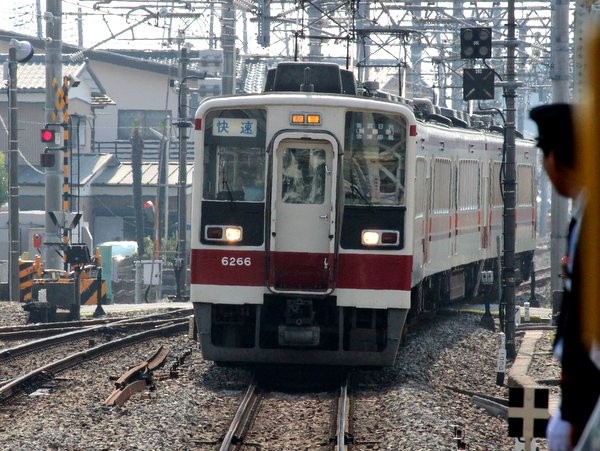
(240, 422)
(33, 345)
(59, 325)
(136, 378)
(19, 384)
(343, 408)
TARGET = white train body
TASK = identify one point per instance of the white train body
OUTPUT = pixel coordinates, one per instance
(320, 220)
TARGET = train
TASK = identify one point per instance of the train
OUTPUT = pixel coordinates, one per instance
(326, 212)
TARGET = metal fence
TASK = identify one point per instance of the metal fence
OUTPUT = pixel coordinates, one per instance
(152, 150)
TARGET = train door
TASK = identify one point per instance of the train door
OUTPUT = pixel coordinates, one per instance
(483, 207)
(454, 187)
(302, 226)
(421, 210)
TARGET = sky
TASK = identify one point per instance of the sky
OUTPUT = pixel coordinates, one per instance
(105, 27)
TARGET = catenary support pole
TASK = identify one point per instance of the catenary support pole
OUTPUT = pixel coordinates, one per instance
(182, 182)
(508, 272)
(55, 173)
(13, 182)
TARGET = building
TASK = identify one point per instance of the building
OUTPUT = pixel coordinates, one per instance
(107, 95)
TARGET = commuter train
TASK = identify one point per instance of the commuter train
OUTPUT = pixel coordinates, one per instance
(323, 214)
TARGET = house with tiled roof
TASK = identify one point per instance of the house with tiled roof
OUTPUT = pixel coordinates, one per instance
(84, 102)
(114, 93)
(116, 90)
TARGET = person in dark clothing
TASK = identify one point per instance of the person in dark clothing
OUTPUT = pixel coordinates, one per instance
(580, 377)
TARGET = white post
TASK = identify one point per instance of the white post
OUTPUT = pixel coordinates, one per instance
(526, 307)
(501, 366)
(138, 282)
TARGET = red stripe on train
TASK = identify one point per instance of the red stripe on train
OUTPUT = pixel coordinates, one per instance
(376, 272)
(247, 268)
(227, 267)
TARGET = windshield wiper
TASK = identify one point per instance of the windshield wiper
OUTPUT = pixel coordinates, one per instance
(228, 188)
(356, 190)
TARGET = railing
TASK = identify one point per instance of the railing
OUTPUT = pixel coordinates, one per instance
(151, 152)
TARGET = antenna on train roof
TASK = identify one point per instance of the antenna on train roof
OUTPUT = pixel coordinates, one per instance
(307, 86)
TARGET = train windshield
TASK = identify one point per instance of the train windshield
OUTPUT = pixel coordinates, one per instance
(374, 158)
(234, 155)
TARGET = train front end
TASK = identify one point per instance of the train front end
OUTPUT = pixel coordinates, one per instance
(300, 240)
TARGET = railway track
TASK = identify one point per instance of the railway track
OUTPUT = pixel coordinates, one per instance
(540, 277)
(41, 330)
(319, 420)
(33, 363)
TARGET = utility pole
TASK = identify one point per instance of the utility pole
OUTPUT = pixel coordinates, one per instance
(508, 273)
(363, 48)
(313, 10)
(228, 45)
(183, 125)
(38, 15)
(55, 173)
(456, 100)
(13, 189)
(17, 52)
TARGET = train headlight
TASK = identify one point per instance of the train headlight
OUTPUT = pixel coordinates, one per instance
(380, 238)
(231, 234)
(369, 238)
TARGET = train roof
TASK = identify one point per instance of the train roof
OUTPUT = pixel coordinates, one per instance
(331, 78)
(302, 78)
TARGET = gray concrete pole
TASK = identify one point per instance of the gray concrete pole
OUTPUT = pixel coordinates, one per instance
(560, 93)
(363, 48)
(314, 44)
(13, 180)
(456, 92)
(182, 182)
(228, 45)
(38, 16)
(508, 272)
(54, 174)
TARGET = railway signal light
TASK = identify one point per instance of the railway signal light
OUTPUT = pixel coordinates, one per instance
(37, 240)
(52, 135)
(47, 135)
(475, 42)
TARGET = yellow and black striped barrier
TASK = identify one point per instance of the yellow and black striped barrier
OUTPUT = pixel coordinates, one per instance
(26, 272)
(61, 291)
(88, 289)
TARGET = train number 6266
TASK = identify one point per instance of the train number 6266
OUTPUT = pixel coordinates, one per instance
(236, 261)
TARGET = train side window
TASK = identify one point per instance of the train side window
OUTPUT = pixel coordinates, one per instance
(468, 185)
(525, 184)
(442, 182)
